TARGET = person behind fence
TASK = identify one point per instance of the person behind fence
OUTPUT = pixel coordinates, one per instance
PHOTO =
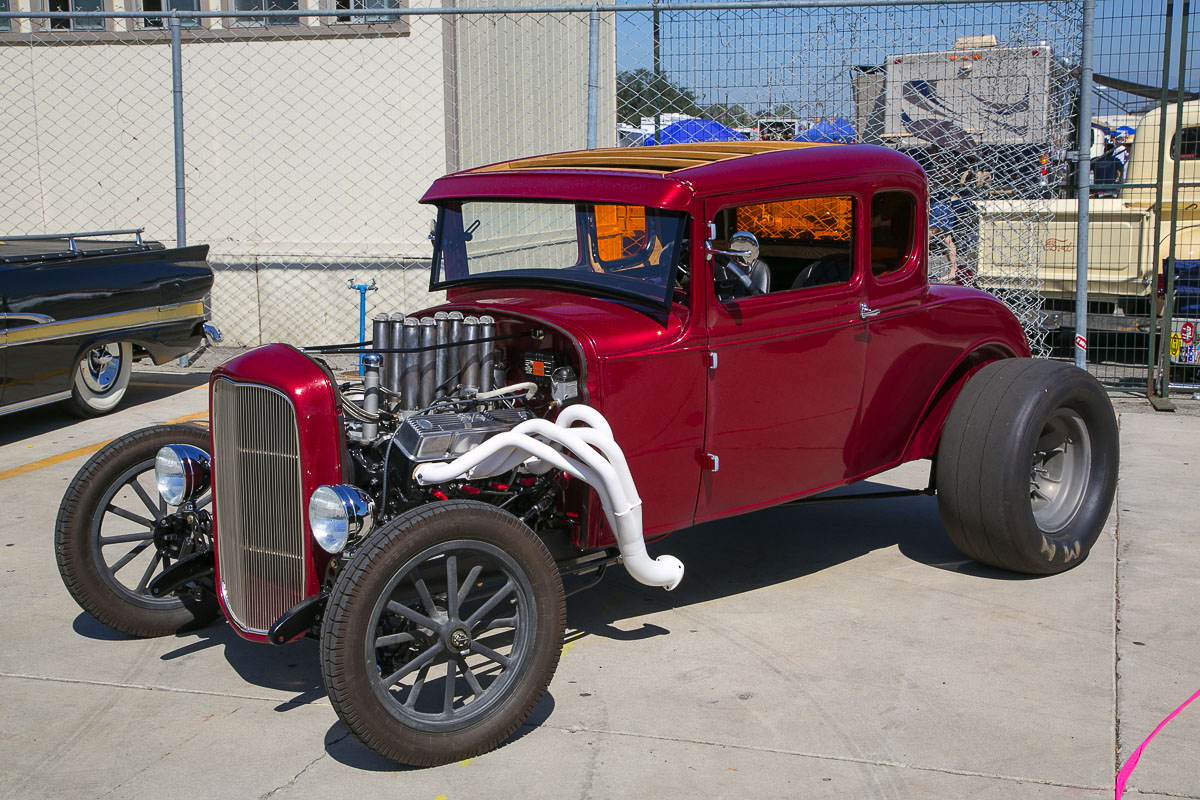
(1106, 172)
(1123, 147)
(943, 252)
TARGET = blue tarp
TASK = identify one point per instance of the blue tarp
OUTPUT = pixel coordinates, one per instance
(828, 130)
(694, 130)
(1187, 287)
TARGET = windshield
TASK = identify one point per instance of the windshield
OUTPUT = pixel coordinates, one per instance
(594, 248)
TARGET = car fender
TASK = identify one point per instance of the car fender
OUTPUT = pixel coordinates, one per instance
(924, 440)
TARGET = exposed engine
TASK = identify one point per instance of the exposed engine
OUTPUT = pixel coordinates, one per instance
(460, 407)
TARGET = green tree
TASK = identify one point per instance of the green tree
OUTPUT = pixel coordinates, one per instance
(641, 93)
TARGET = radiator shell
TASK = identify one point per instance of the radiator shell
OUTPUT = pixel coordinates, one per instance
(308, 388)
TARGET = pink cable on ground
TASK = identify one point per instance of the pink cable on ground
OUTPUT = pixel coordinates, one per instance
(1131, 762)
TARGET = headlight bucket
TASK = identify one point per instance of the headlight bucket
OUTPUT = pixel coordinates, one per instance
(340, 514)
(182, 473)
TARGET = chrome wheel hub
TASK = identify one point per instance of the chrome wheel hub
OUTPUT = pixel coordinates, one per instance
(1061, 467)
(100, 367)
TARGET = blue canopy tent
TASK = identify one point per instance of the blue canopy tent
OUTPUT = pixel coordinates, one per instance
(687, 131)
(828, 130)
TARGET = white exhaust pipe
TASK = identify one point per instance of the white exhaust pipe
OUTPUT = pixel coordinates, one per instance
(592, 456)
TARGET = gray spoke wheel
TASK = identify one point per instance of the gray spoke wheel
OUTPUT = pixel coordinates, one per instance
(442, 633)
(104, 537)
(101, 378)
(1027, 465)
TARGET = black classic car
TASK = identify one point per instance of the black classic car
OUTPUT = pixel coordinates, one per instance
(76, 310)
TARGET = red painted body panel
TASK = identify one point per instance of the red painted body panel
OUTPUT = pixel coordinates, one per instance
(807, 394)
(312, 394)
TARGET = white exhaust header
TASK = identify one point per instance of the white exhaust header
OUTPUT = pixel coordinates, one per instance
(588, 453)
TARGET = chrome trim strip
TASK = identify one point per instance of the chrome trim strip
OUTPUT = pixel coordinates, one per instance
(35, 402)
(261, 520)
(101, 323)
(37, 319)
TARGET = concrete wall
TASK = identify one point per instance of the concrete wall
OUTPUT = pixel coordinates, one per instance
(305, 158)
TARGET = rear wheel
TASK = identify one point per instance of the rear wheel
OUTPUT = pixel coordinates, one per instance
(1027, 465)
(442, 633)
(101, 378)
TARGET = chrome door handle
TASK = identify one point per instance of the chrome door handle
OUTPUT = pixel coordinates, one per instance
(866, 312)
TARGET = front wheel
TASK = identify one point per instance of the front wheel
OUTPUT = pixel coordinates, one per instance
(1027, 465)
(110, 539)
(442, 633)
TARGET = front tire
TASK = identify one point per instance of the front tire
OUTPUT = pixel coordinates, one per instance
(100, 379)
(442, 633)
(104, 537)
(1027, 466)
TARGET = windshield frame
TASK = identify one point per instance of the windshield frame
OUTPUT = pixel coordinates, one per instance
(588, 283)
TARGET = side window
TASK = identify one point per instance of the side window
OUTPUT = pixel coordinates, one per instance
(1187, 145)
(170, 5)
(803, 242)
(892, 217)
(76, 23)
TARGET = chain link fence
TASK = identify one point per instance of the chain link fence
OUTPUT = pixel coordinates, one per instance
(312, 127)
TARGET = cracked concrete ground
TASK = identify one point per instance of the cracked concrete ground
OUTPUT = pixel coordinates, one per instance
(840, 650)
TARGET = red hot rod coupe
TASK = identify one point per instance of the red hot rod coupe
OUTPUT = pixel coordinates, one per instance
(635, 341)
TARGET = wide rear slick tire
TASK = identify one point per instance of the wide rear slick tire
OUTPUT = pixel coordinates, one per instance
(442, 633)
(104, 558)
(1027, 466)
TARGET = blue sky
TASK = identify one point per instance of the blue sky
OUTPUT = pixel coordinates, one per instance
(760, 56)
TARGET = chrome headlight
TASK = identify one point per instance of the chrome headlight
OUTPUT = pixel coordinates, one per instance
(338, 514)
(182, 473)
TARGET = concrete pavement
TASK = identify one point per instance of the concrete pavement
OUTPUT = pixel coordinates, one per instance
(839, 650)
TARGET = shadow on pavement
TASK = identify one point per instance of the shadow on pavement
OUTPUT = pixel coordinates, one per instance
(144, 387)
(292, 667)
(345, 748)
(770, 547)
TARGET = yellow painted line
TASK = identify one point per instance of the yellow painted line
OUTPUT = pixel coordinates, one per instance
(50, 461)
(465, 762)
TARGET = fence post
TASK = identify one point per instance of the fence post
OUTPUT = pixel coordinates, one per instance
(177, 96)
(1169, 300)
(1152, 363)
(593, 108)
(1083, 181)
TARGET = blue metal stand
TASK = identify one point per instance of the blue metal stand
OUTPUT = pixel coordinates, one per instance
(362, 288)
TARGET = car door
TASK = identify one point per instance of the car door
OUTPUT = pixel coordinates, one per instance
(911, 346)
(786, 367)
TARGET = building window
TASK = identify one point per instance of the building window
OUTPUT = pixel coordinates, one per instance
(1187, 145)
(171, 5)
(5, 24)
(264, 5)
(363, 5)
(76, 23)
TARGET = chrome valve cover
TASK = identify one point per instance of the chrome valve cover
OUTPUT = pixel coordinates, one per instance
(434, 437)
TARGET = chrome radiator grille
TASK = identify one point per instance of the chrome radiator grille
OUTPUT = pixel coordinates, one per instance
(260, 513)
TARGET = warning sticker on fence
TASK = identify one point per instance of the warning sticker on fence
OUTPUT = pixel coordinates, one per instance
(1188, 332)
(1176, 343)
(1187, 355)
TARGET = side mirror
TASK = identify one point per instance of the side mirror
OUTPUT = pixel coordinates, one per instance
(743, 248)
